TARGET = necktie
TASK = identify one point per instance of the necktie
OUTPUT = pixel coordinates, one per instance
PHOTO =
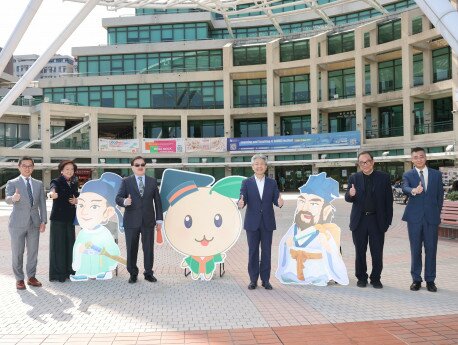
(422, 179)
(141, 186)
(29, 191)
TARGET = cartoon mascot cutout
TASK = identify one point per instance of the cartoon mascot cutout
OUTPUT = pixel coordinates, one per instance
(202, 221)
(309, 253)
(95, 253)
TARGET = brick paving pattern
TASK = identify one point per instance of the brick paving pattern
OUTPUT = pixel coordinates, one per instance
(178, 310)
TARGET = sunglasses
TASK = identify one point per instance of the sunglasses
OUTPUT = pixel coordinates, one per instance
(139, 165)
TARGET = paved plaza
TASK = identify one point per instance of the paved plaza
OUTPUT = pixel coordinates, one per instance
(179, 310)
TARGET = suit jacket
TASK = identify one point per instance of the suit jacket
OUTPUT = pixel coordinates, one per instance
(145, 210)
(260, 210)
(23, 212)
(383, 198)
(427, 204)
(62, 210)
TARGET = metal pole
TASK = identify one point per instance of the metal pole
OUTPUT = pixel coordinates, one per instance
(18, 32)
(21, 85)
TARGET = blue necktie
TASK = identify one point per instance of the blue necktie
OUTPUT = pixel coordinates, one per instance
(29, 191)
(141, 186)
(422, 179)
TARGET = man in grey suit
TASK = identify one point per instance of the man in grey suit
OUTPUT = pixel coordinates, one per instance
(143, 210)
(27, 220)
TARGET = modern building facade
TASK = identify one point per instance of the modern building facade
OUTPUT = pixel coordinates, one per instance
(183, 77)
(58, 66)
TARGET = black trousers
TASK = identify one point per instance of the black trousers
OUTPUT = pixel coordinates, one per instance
(61, 241)
(257, 267)
(132, 240)
(368, 231)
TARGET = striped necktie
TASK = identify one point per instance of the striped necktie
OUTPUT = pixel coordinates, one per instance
(29, 191)
(422, 179)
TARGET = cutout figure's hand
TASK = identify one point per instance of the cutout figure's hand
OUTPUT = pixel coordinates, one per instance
(280, 201)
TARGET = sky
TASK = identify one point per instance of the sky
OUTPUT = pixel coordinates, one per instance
(50, 20)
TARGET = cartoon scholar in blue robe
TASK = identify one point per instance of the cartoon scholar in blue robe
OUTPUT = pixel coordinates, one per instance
(309, 253)
(202, 221)
(95, 253)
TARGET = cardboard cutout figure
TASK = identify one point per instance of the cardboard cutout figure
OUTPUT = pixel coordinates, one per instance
(95, 253)
(201, 222)
(309, 253)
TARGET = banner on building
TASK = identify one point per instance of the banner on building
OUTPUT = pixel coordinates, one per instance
(306, 142)
(206, 144)
(163, 146)
(126, 145)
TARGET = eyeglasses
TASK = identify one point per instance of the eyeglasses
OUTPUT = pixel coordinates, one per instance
(26, 166)
(139, 165)
(365, 162)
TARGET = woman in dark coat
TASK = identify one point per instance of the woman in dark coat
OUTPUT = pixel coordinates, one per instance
(64, 192)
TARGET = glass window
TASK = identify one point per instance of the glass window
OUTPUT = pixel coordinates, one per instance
(442, 64)
(249, 93)
(418, 69)
(249, 55)
(296, 50)
(295, 89)
(205, 128)
(442, 115)
(250, 128)
(341, 83)
(341, 43)
(295, 125)
(343, 121)
(367, 40)
(391, 121)
(389, 31)
(367, 79)
(390, 75)
(417, 25)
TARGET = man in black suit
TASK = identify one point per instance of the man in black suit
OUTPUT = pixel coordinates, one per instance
(143, 211)
(371, 215)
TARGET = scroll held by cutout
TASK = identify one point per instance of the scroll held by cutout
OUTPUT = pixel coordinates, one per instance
(202, 221)
(309, 252)
(95, 253)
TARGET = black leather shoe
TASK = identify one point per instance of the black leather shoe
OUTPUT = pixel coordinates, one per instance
(133, 279)
(267, 285)
(431, 287)
(361, 283)
(252, 286)
(150, 278)
(377, 284)
(415, 286)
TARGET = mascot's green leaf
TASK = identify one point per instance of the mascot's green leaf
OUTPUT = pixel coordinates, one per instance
(228, 186)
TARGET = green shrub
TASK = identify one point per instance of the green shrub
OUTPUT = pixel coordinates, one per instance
(452, 196)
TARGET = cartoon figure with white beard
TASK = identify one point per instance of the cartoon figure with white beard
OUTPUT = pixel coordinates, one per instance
(309, 253)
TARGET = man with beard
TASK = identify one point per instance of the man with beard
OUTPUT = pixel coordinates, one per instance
(309, 252)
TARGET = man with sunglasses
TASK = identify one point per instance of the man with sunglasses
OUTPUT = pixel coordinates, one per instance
(139, 195)
(27, 220)
(371, 214)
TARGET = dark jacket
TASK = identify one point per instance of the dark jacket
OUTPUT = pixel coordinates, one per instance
(427, 204)
(260, 210)
(145, 210)
(383, 198)
(62, 210)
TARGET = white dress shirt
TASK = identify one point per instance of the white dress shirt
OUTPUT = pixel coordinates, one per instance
(260, 183)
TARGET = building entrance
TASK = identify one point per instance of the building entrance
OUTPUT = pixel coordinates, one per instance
(290, 178)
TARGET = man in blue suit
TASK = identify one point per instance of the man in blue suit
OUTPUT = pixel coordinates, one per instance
(259, 193)
(371, 214)
(422, 214)
(143, 211)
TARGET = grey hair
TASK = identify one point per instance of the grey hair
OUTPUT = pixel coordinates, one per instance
(259, 156)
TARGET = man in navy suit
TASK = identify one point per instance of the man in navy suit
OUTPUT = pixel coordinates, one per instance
(259, 193)
(371, 214)
(143, 211)
(422, 214)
